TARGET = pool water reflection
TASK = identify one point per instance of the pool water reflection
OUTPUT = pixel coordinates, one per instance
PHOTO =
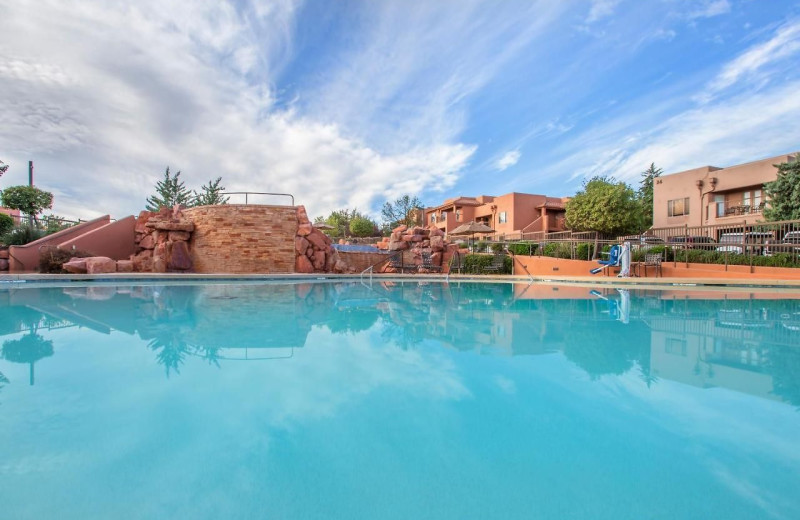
(399, 400)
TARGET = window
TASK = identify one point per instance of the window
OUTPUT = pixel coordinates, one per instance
(676, 347)
(678, 207)
(757, 198)
(501, 218)
(720, 200)
(433, 218)
(444, 216)
(458, 215)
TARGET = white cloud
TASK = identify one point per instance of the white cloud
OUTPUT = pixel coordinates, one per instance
(508, 160)
(712, 8)
(726, 132)
(601, 9)
(785, 43)
(757, 119)
(102, 99)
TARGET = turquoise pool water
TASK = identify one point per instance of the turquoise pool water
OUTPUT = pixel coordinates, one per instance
(398, 401)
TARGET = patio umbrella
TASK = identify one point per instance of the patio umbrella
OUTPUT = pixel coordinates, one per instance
(322, 225)
(470, 228)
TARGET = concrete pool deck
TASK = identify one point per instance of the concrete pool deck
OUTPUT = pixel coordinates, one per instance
(650, 283)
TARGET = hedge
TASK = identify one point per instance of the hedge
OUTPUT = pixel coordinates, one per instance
(476, 263)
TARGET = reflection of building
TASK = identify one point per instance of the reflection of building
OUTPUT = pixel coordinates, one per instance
(747, 345)
(711, 195)
(506, 214)
(731, 349)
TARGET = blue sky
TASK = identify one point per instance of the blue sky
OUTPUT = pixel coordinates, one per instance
(351, 103)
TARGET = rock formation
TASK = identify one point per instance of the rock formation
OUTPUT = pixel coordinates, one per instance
(314, 252)
(162, 242)
(414, 241)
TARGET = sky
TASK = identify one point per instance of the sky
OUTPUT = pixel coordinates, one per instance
(349, 104)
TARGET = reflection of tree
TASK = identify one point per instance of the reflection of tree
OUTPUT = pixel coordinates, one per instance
(352, 320)
(3, 381)
(597, 357)
(171, 350)
(16, 318)
(784, 364)
(28, 349)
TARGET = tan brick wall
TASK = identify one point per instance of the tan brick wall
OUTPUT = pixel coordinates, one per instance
(235, 238)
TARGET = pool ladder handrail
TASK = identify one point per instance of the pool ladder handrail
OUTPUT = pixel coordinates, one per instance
(371, 268)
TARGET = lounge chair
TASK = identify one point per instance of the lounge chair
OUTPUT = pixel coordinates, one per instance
(427, 264)
(498, 262)
(613, 260)
(652, 260)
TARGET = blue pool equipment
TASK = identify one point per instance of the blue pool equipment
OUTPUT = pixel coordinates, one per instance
(613, 260)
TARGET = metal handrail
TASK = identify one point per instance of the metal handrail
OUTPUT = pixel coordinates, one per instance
(246, 193)
(371, 268)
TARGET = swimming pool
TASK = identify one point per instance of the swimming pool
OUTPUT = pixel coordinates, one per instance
(398, 400)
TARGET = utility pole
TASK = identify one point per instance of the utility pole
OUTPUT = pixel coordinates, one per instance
(30, 173)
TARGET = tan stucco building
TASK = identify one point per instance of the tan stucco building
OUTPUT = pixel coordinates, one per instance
(508, 214)
(711, 195)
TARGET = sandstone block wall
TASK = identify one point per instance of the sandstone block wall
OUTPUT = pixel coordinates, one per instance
(235, 238)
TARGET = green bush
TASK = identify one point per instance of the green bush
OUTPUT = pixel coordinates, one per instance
(52, 259)
(702, 256)
(6, 224)
(584, 251)
(523, 248)
(558, 250)
(362, 226)
(496, 248)
(480, 246)
(22, 235)
(477, 263)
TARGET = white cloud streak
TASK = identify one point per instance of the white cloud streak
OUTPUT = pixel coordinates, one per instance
(508, 160)
(710, 9)
(601, 9)
(785, 43)
(757, 120)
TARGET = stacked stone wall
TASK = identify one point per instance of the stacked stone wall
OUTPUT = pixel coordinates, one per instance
(234, 238)
(414, 241)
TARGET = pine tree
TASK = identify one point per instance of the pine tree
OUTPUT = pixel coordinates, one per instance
(211, 194)
(169, 192)
(783, 194)
(646, 192)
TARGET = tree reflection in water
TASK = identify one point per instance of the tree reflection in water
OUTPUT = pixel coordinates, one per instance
(688, 340)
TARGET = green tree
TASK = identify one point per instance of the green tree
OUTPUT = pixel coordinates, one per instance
(211, 194)
(169, 192)
(783, 194)
(3, 168)
(342, 221)
(28, 199)
(605, 206)
(401, 211)
(6, 224)
(646, 193)
(361, 226)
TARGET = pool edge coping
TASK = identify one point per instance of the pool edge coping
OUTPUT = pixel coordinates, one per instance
(660, 283)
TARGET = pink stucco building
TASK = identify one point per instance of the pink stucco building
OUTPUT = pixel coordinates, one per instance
(14, 213)
(711, 195)
(508, 214)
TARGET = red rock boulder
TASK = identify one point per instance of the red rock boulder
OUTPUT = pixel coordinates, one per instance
(99, 265)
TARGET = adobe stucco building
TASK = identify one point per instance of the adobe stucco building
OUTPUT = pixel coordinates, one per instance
(711, 195)
(509, 214)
